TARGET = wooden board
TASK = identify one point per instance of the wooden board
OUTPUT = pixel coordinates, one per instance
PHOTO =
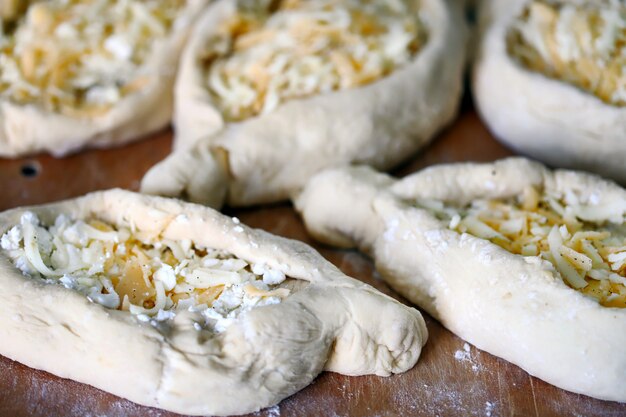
(451, 378)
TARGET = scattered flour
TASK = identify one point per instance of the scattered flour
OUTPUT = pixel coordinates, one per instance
(489, 407)
(466, 356)
(273, 411)
(463, 355)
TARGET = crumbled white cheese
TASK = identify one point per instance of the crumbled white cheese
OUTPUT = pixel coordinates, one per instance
(11, 239)
(143, 317)
(166, 275)
(164, 315)
(119, 46)
(232, 303)
(273, 277)
(80, 57)
(270, 52)
(585, 250)
(149, 277)
(103, 95)
(580, 43)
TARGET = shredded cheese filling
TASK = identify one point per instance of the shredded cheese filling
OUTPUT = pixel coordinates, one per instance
(589, 257)
(273, 51)
(580, 43)
(79, 57)
(152, 278)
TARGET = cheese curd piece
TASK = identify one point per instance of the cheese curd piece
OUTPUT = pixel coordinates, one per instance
(271, 92)
(545, 293)
(201, 314)
(88, 72)
(549, 80)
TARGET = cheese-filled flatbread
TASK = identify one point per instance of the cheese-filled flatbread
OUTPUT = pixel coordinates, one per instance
(523, 262)
(176, 306)
(271, 92)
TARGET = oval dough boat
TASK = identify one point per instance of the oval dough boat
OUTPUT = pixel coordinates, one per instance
(514, 307)
(542, 117)
(332, 323)
(267, 158)
(30, 128)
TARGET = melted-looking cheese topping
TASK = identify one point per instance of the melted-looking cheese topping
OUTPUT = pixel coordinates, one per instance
(589, 257)
(79, 57)
(580, 43)
(273, 51)
(150, 277)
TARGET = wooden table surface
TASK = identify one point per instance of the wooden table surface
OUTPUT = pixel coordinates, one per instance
(451, 378)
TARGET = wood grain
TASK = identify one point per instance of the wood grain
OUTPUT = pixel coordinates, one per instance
(449, 380)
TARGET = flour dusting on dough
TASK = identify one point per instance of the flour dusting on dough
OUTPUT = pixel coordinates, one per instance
(392, 227)
(436, 240)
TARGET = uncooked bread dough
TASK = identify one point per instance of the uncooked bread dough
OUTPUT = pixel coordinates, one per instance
(261, 340)
(268, 156)
(66, 82)
(548, 81)
(483, 248)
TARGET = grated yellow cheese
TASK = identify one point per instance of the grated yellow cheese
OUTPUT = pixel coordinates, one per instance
(582, 43)
(151, 278)
(79, 57)
(273, 51)
(589, 257)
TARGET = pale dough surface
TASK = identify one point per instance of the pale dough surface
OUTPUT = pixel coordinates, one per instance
(509, 305)
(333, 323)
(545, 118)
(26, 129)
(268, 158)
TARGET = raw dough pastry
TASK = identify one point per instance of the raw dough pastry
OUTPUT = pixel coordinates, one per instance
(85, 72)
(275, 313)
(537, 288)
(290, 131)
(548, 81)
